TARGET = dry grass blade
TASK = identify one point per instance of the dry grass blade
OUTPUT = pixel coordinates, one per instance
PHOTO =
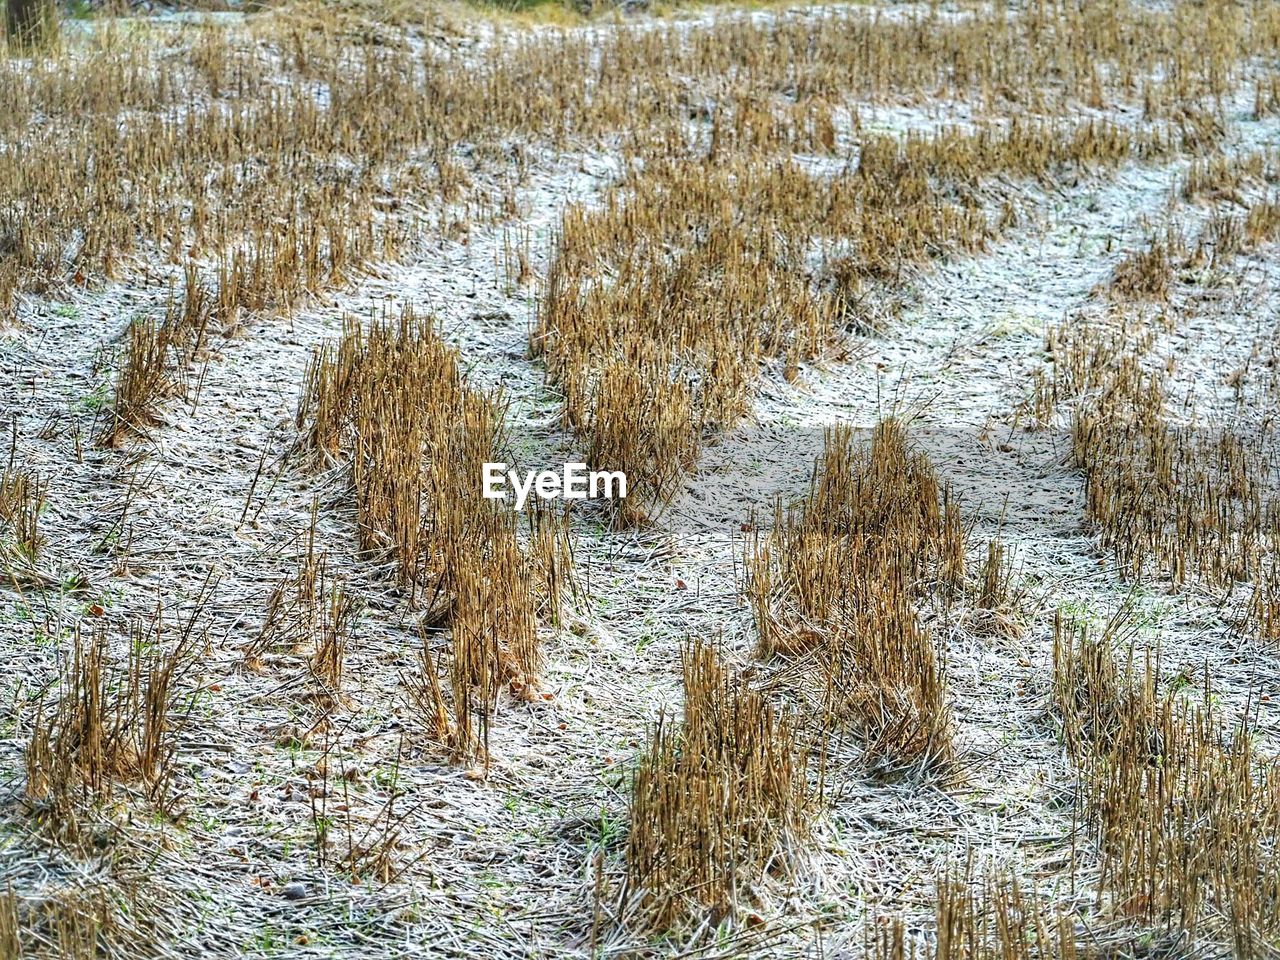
(10, 926)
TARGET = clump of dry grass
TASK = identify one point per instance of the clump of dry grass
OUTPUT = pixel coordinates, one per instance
(1085, 358)
(391, 402)
(643, 423)
(1184, 811)
(984, 917)
(144, 381)
(836, 583)
(1262, 613)
(1148, 273)
(479, 662)
(84, 918)
(1262, 222)
(328, 659)
(256, 188)
(10, 926)
(310, 609)
(494, 646)
(155, 360)
(30, 27)
(664, 349)
(1236, 180)
(1222, 239)
(1266, 96)
(294, 608)
(1093, 699)
(792, 74)
(1225, 177)
(1187, 503)
(110, 724)
(720, 802)
(551, 563)
(999, 598)
(425, 694)
(1194, 505)
(22, 499)
(188, 317)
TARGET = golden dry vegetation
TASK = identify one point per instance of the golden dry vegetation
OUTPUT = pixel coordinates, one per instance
(938, 343)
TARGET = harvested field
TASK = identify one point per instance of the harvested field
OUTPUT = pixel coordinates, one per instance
(937, 343)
